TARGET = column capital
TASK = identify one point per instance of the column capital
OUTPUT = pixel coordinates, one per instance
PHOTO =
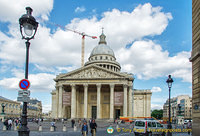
(57, 86)
(125, 85)
(72, 85)
(85, 85)
(130, 85)
(112, 85)
(98, 85)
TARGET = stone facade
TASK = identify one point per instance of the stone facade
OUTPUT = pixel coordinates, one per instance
(181, 109)
(99, 90)
(11, 109)
(195, 59)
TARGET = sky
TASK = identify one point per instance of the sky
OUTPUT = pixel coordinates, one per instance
(150, 38)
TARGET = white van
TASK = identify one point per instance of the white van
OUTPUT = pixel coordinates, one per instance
(148, 128)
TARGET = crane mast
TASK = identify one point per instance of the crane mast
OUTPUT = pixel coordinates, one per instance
(83, 41)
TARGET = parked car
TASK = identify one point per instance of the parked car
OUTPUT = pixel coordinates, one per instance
(146, 127)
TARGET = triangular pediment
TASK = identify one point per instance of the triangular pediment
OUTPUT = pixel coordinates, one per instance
(91, 71)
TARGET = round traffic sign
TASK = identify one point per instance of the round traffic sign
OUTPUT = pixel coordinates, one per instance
(24, 84)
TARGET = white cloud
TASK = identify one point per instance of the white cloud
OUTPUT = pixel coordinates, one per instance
(80, 9)
(40, 82)
(46, 108)
(156, 89)
(11, 11)
(147, 60)
(156, 106)
(62, 49)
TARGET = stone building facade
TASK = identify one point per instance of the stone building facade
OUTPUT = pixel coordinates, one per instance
(11, 109)
(181, 109)
(99, 90)
(195, 59)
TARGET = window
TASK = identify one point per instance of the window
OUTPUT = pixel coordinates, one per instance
(153, 124)
(159, 125)
(100, 57)
(149, 124)
(95, 58)
(139, 123)
(106, 57)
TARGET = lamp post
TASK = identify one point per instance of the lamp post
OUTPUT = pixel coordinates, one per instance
(3, 111)
(169, 82)
(28, 28)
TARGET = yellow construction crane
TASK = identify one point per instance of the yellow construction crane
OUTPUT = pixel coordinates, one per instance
(83, 40)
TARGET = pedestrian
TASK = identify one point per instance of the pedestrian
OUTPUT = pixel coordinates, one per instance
(189, 127)
(93, 127)
(53, 125)
(62, 121)
(79, 122)
(6, 124)
(9, 124)
(16, 122)
(84, 129)
(84, 120)
(73, 122)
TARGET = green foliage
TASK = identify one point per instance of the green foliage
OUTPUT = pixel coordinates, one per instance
(158, 114)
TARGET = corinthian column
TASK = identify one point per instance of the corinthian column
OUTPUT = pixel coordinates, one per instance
(111, 100)
(125, 101)
(98, 101)
(85, 99)
(73, 101)
(130, 100)
(60, 105)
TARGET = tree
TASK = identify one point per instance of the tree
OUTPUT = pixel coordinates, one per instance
(158, 114)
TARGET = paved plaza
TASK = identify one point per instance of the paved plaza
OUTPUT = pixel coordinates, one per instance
(101, 131)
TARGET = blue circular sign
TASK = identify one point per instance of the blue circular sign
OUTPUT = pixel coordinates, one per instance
(24, 84)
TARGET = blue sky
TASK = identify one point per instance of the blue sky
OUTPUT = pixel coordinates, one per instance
(154, 35)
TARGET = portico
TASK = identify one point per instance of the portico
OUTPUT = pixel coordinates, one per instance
(97, 90)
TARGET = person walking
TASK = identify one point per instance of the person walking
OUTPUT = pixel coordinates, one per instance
(73, 122)
(6, 124)
(53, 124)
(189, 127)
(9, 124)
(84, 129)
(93, 127)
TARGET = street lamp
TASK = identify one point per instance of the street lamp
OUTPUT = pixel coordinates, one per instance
(28, 28)
(3, 111)
(169, 82)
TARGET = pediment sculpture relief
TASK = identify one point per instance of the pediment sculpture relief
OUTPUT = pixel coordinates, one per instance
(93, 73)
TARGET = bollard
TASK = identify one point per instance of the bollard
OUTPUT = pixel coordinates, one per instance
(117, 126)
(51, 129)
(15, 128)
(64, 128)
(4, 128)
(40, 128)
(75, 128)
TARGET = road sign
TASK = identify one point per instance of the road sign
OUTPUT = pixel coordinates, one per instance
(22, 93)
(23, 99)
(24, 84)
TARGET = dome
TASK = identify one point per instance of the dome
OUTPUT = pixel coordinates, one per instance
(102, 48)
(103, 56)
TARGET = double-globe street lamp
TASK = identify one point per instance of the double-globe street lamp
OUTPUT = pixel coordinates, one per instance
(169, 82)
(28, 28)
